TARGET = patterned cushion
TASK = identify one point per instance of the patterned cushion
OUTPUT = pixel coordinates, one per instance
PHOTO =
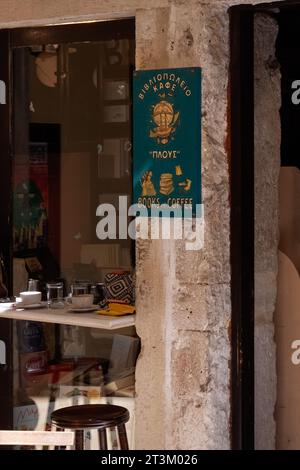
(120, 287)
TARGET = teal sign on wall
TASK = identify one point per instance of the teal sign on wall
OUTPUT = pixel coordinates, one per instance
(167, 137)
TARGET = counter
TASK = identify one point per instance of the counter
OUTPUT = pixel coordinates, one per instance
(65, 317)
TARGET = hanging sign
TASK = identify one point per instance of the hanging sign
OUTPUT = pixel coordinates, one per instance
(167, 138)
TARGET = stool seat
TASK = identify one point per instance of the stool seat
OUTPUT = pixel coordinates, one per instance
(100, 417)
(90, 416)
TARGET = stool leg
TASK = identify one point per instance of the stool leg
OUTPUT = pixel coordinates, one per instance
(122, 437)
(102, 439)
(59, 447)
(114, 438)
(79, 436)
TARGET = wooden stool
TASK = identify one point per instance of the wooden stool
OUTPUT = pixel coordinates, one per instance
(101, 417)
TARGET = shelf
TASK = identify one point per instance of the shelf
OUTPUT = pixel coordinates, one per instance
(63, 317)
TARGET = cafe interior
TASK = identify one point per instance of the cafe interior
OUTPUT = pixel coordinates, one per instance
(73, 295)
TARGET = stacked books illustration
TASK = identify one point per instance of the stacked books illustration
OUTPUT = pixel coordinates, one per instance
(166, 183)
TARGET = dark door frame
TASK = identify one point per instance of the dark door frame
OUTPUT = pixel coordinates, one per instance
(6, 389)
(242, 225)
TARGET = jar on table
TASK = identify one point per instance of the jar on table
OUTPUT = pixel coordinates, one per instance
(55, 296)
(99, 292)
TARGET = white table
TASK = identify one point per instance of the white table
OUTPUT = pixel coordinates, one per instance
(64, 317)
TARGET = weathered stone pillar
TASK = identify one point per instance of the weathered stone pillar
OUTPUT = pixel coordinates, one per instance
(183, 297)
(267, 96)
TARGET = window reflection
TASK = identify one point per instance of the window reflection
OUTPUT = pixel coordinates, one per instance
(72, 151)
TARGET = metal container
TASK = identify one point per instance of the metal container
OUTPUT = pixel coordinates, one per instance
(99, 292)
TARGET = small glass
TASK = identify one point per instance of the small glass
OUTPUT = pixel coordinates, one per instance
(33, 285)
(55, 297)
(84, 282)
(99, 292)
(79, 289)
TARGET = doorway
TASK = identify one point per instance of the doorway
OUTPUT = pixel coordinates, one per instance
(264, 224)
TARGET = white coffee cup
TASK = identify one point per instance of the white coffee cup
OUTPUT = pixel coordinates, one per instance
(30, 297)
(81, 301)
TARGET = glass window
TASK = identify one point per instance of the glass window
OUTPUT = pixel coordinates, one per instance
(71, 152)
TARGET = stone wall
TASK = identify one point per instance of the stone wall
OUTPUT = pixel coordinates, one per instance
(184, 320)
(183, 298)
(267, 166)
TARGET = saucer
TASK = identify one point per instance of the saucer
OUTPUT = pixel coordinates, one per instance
(85, 309)
(31, 306)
